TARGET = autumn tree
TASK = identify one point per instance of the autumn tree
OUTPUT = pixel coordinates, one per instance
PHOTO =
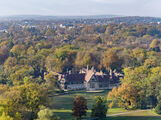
(10, 65)
(25, 99)
(125, 96)
(79, 107)
(155, 45)
(111, 60)
(137, 57)
(5, 117)
(18, 50)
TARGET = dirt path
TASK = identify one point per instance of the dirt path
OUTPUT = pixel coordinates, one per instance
(128, 112)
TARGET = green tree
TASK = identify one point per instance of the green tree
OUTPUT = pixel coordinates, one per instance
(51, 80)
(158, 108)
(10, 64)
(46, 114)
(62, 60)
(100, 108)
(85, 58)
(5, 117)
(18, 77)
(26, 99)
(18, 50)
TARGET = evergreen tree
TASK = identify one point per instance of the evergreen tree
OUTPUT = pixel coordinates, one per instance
(99, 109)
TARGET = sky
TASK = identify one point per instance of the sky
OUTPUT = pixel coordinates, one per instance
(81, 7)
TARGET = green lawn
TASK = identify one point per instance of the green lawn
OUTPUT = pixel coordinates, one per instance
(64, 103)
(145, 115)
(116, 110)
(63, 106)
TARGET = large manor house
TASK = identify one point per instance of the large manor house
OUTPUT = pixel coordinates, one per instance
(88, 79)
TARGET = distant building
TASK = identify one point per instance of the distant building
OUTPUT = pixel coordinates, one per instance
(66, 26)
(89, 80)
(3, 31)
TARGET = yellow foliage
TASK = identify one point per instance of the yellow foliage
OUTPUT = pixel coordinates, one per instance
(125, 96)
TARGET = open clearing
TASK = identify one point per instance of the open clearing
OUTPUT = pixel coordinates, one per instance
(63, 104)
(63, 108)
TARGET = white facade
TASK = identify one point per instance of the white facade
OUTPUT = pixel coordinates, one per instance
(76, 86)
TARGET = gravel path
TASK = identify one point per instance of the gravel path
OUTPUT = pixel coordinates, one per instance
(128, 112)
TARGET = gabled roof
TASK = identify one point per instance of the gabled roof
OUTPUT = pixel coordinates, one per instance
(75, 78)
(85, 75)
(103, 78)
(89, 75)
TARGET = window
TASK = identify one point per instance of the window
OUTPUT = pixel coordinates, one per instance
(100, 85)
(92, 85)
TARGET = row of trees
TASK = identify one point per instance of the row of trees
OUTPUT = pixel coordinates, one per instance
(34, 62)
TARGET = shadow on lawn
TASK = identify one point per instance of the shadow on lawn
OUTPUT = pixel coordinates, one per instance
(68, 116)
(134, 118)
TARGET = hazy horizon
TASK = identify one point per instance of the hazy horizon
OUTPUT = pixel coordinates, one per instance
(81, 7)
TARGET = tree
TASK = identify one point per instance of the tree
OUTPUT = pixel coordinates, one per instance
(111, 60)
(3, 53)
(38, 64)
(126, 96)
(31, 51)
(99, 108)
(49, 32)
(158, 108)
(140, 88)
(10, 64)
(34, 97)
(18, 77)
(62, 60)
(84, 59)
(46, 114)
(26, 99)
(5, 117)
(51, 80)
(79, 107)
(137, 57)
(155, 45)
(51, 83)
(18, 50)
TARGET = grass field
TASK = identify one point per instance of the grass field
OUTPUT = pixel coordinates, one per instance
(64, 103)
(145, 115)
(63, 106)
